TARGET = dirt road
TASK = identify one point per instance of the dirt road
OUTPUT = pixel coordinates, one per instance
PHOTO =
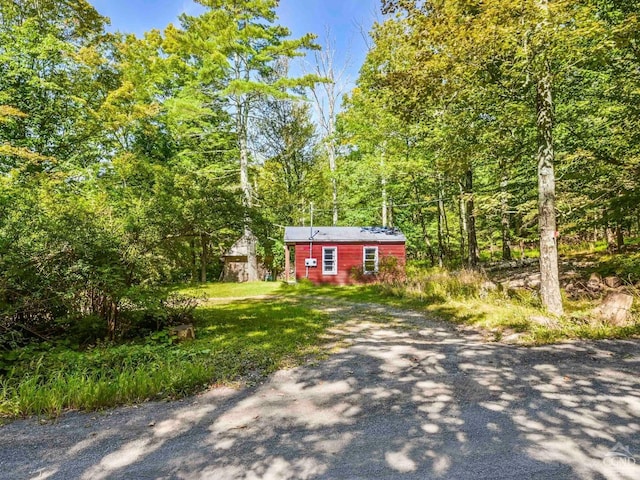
(406, 397)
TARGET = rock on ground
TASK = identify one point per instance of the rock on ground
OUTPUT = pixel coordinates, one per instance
(615, 308)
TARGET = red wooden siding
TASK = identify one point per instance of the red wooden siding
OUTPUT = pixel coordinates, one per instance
(349, 255)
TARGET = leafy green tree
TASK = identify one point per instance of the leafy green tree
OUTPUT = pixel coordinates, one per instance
(48, 51)
(533, 46)
(126, 182)
(232, 46)
(290, 178)
(286, 139)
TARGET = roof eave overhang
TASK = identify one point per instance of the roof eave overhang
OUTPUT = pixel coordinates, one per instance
(378, 242)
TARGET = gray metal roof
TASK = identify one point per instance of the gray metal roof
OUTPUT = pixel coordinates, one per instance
(343, 234)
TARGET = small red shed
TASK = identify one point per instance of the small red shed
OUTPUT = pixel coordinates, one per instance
(330, 254)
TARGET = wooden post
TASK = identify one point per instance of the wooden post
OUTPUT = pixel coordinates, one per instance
(286, 263)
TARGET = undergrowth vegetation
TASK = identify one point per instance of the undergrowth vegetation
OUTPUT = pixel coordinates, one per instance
(469, 297)
(243, 340)
(239, 340)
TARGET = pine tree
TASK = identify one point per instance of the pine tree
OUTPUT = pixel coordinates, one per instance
(232, 46)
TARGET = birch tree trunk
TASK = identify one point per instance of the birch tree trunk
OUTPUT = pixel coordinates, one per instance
(383, 182)
(443, 229)
(447, 232)
(331, 150)
(464, 231)
(440, 239)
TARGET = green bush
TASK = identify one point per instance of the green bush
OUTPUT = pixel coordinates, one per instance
(389, 272)
(153, 311)
(88, 329)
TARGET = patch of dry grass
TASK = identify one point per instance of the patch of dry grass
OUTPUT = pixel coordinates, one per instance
(467, 297)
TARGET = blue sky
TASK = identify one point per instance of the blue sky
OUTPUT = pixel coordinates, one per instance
(345, 19)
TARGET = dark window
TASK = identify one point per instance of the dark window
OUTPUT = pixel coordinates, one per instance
(370, 259)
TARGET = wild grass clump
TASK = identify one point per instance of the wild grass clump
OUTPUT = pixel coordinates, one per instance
(469, 297)
(583, 328)
(51, 393)
(441, 285)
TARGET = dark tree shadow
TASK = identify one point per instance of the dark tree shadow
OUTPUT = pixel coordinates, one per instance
(423, 402)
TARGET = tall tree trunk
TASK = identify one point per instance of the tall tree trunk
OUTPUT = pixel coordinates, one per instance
(504, 214)
(447, 232)
(326, 97)
(441, 247)
(549, 275)
(425, 235)
(423, 224)
(242, 119)
(194, 260)
(609, 232)
(464, 231)
(619, 238)
(203, 258)
(331, 150)
(383, 182)
(443, 230)
(110, 311)
(472, 240)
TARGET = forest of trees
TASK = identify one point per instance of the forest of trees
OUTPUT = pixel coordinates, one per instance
(478, 128)
(497, 125)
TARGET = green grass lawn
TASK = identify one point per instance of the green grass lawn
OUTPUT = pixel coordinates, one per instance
(230, 290)
(235, 341)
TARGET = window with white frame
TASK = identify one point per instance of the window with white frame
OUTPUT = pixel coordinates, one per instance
(330, 261)
(370, 259)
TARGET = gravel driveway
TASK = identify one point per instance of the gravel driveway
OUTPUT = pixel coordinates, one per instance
(409, 398)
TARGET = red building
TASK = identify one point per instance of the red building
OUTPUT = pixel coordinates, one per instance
(332, 254)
